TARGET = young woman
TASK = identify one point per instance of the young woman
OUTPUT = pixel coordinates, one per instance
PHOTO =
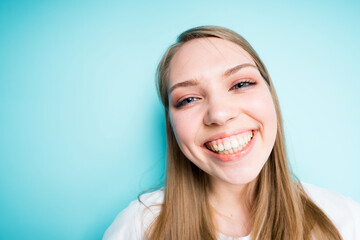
(227, 174)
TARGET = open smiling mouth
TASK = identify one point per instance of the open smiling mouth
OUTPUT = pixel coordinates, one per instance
(230, 145)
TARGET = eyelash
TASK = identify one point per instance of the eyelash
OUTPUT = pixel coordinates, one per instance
(247, 82)
(188, 100)
(183, 102)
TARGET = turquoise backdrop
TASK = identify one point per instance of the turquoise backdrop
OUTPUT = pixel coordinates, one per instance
(81, 127)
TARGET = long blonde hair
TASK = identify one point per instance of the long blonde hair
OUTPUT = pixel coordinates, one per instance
(280, 208)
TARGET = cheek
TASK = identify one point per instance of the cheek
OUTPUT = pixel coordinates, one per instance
(185, 127)
(261, 106)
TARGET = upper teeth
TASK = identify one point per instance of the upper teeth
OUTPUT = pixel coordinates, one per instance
(230, 144)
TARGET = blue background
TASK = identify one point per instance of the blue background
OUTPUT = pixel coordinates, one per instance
(81, 127)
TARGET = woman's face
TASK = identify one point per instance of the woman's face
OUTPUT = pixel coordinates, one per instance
(221, 110)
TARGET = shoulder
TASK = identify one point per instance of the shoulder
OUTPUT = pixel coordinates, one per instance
(132, 222)
(342, 211)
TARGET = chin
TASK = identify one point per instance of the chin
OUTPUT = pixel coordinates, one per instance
(242, 181)
(241, 177)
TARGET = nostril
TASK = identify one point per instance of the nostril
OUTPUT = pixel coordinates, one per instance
(219, 114)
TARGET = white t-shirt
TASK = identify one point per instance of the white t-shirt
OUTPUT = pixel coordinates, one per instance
(132, 222)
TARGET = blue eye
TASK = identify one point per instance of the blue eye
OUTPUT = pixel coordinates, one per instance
(243, 84)
(185, 102)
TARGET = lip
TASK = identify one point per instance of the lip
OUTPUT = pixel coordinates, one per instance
(235, 156)
(227, 134)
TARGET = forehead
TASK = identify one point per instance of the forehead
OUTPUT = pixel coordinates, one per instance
(206, 57)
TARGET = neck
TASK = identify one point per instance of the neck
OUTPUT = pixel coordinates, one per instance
(231, 208)
(228, 196)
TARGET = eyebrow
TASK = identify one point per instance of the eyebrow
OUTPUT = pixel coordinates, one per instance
(188, 83)
(227, 73)
(237, 68)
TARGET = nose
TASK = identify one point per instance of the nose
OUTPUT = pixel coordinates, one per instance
(219, 111)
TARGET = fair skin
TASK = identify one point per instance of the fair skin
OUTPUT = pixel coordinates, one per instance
(218, 97)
